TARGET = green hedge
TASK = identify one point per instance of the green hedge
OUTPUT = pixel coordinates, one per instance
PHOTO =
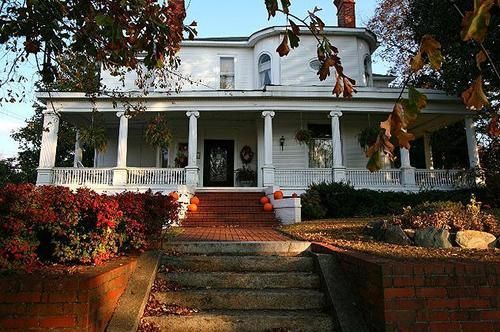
(338, 200)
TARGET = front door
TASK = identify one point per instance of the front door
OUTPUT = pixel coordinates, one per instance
(218, 166)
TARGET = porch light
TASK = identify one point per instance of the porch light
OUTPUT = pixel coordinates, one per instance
(282, 142)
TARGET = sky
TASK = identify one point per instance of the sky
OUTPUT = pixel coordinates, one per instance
(215, 18)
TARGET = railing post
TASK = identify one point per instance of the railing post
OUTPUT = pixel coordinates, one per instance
(268, 168)
(120, 172)
(48, 147)
(407, 172)
(338, 168)
(192, 167)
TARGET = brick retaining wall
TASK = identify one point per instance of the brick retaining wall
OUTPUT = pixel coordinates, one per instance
(83, 301)
(423, 295)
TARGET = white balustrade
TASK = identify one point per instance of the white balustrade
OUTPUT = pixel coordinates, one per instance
(156, 176)
(82, 176)
(441, 178)
(366, 179)
(302, 177)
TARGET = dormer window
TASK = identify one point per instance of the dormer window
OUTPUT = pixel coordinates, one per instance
(265, 70)
(227, 73)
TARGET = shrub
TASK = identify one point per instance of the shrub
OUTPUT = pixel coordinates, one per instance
(340, 200)
(453, 216)
(50, 224)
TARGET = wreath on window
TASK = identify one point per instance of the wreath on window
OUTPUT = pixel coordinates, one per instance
(246, 154)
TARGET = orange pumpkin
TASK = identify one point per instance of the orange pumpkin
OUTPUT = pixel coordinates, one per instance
(294, 195)
(195, 200)
(278, 194)
(264, 200)
(268, 207)
(174, 195)
(193, 207)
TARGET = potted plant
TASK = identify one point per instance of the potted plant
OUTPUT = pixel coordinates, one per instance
(94, 136)
(304, 136)
(245, 176)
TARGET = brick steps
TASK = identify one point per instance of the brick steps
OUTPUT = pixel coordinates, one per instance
(236, 209)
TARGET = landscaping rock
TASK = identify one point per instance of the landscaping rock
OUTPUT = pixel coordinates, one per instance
(394, 234)
(431, 237)
(377, 229)
(475, 240)
(410, 233)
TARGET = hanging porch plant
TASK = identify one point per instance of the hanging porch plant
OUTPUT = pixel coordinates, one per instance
(157, 133)
(94, 136)
(368, 136)
(304, 136)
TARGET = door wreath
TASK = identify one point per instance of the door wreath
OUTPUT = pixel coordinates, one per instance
(246, 154)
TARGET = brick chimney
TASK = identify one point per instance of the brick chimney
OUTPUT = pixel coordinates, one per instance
(346, 13)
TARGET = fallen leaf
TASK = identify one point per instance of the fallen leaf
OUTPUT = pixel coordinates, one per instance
(283, 49)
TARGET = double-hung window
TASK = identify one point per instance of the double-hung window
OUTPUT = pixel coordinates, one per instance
(320, 147)
(227, 73)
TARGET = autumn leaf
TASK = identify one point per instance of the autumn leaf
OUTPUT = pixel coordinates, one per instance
(283, 49)
(431, 48)
(494, 126)
(324, 70)
(475, 23)
(387, 125)
(293, 38)
(295, 27)
(272, 7)
(474, 97)
(285, 4)
(415, 103)
(337, 89)
(480, 58)
(348, 87)
(404, 139)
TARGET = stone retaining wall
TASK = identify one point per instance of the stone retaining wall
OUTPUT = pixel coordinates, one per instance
(422, 295)
(83, 301)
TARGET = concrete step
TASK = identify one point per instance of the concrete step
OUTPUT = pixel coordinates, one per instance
(261, 248)
(246, 321)
(200, 224)
(240, 263)
(246, 280)
(243, 299)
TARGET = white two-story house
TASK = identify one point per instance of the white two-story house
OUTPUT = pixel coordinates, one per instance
(243, 97)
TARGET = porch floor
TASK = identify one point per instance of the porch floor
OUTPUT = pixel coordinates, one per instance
(228, 234)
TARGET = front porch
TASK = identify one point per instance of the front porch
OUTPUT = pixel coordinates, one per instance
(207, 144)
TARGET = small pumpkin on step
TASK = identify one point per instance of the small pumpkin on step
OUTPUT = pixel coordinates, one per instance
(192, 207)
(195, 200)
(278, 194)
(264, 200)
(268, 207)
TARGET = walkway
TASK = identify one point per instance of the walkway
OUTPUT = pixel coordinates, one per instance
(230, 234)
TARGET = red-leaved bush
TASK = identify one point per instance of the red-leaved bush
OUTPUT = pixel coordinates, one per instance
(453, 216)
(50, 224)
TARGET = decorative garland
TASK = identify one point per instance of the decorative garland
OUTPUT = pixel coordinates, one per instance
(246, 154)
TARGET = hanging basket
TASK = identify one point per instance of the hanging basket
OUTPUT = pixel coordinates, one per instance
(157, 133)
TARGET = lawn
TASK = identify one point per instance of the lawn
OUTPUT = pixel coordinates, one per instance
(348, 234)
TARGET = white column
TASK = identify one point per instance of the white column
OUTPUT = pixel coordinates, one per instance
(268, 168)
(120, 172)
(429, 163)
(78, 151)
(192, 167)
(470, 132)
(48, 147)
(407, 171)
(338, 168)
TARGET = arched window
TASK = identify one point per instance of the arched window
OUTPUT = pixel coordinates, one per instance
(265, 70)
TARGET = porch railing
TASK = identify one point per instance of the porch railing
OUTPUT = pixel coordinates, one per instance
(82, 176)
(441, 178)
(383, 178)
(302, 177)
(156, 176)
